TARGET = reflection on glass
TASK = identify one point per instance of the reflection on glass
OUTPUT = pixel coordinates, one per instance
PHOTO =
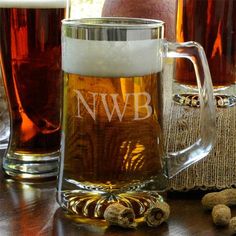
(4, 117)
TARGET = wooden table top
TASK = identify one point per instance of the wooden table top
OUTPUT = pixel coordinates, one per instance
(31, 209)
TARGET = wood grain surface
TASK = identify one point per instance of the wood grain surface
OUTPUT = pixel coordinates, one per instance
(31, 210)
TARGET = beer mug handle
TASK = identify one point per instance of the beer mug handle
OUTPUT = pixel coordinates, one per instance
(177, 161)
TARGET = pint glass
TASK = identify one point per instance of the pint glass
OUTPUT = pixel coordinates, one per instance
(30, 52)
(212, 23)
(112, 135)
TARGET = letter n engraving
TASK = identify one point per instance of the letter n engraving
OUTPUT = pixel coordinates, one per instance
(81, 99)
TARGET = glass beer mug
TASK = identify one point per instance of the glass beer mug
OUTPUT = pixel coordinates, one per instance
(212, 23)
(112, 138)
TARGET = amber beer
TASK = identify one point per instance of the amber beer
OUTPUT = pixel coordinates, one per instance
(112, 129)
(30, 51)
(111, 123)
(212, 23)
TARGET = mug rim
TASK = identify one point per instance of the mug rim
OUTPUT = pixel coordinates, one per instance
(113, 29)
(114, 22)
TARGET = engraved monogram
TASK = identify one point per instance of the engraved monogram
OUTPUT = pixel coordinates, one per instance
(138, 105)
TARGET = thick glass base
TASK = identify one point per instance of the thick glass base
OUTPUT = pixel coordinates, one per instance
(93, 204)
(188, 95)
(29, 166)
(192, 100)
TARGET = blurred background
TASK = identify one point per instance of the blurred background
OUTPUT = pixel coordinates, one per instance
(86, 8)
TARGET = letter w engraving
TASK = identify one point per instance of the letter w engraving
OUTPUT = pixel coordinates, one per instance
(115, 107)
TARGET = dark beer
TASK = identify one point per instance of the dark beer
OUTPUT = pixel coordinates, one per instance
(30, 47)
(212, 23)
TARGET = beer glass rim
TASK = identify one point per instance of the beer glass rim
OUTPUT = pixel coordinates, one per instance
(113, 28)
(114, 22)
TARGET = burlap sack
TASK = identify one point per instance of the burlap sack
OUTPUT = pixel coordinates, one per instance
(218, 169)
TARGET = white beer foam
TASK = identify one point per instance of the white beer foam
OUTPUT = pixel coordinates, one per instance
(33, 3)
(111, 59)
